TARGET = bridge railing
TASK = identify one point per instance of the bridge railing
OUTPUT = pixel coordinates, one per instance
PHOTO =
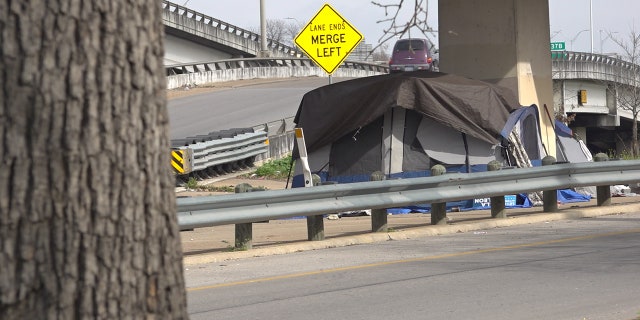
(583, 65)
(197, 17)
(242, 63)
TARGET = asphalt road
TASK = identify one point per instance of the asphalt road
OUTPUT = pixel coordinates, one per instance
(245, 104)
(568, 269)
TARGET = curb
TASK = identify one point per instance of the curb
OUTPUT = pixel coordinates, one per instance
(461, 227)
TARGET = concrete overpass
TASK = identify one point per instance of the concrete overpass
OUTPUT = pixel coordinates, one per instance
(193, 36)
(599, 120)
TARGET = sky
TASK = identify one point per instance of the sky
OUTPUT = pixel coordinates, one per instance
(567, 17)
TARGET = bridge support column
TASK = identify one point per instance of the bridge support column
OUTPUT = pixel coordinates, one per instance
(504, 42)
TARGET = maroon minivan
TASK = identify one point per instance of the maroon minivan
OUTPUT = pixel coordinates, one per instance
(412, 54)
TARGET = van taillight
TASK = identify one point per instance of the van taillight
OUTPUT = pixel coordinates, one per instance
(429, 60)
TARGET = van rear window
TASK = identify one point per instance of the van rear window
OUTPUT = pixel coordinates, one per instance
(414, 44)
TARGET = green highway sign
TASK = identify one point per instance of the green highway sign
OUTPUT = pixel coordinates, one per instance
(557, 46)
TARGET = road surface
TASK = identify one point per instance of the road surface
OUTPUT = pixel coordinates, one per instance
(569, 269)
(238, 105)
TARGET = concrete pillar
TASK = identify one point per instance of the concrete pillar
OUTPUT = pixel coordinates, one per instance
(438, 210)
(504, 42)
(378, 216)
(498, 209)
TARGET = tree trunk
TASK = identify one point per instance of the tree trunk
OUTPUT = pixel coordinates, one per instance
(87, 210)
(635, 148)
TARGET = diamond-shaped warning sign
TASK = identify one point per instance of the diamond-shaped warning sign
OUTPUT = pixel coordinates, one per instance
(328, 39)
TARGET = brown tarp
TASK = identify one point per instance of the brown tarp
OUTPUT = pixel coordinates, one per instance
(474, 107)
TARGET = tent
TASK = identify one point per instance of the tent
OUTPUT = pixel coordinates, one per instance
(403, 124)
(571, 149)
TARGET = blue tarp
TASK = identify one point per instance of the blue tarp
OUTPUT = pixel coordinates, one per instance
(511, 201)
(563, 130)
(569, 196)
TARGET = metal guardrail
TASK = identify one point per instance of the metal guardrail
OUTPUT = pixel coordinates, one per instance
(242, 63)
(207, 152)
(215, 152)
(252, 207)
(276, 127)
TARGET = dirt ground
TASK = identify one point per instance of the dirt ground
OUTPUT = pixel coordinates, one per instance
(232, 182)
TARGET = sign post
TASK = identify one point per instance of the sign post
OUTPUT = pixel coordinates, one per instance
(327, 39)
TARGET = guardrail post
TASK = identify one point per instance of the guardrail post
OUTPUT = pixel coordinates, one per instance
(378, 216)
(497, 203)
(315, 224)
(603, 193)
(244, 231)
(549, 197)
(438, 210)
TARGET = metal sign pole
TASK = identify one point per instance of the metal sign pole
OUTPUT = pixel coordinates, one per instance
(302, 151)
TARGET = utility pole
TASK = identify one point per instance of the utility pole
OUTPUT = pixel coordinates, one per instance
(263, 31)
(591, 22)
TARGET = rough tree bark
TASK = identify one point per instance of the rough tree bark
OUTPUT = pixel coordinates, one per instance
(87, 212)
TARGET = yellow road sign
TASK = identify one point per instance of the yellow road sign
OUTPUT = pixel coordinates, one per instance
(328, 39)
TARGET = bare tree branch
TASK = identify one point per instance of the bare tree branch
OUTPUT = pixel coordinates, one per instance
(627, 89)
(281, 30)
(396, 27)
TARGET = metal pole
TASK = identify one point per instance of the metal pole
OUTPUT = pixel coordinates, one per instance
(576, 37)
(591, 22)
(263, 30)
(600, 31)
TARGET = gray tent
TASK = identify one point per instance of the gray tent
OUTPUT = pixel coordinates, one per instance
(403, 124)
(568, 147)
(571, 149)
